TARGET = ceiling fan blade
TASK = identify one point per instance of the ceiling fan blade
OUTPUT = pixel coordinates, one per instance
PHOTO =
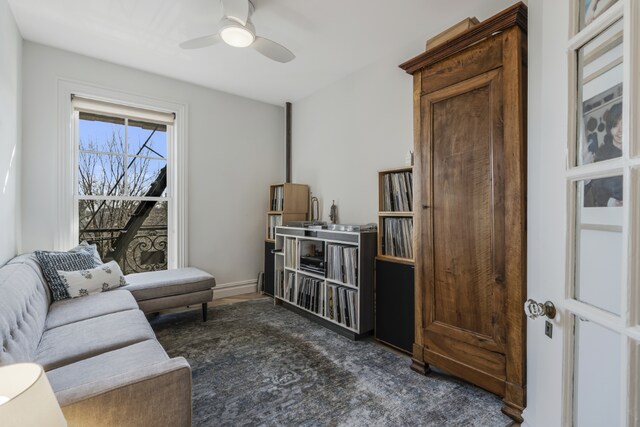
(236, 9)
(199, 42)
(272, 50)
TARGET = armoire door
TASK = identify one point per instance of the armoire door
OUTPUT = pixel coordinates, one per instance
(463, 229)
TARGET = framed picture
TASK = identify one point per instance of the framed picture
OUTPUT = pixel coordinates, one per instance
(603, 192)
(602, 126)
(602, 140)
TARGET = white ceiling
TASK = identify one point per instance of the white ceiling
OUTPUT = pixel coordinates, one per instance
(331, 38)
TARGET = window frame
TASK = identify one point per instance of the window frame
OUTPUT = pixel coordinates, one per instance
(68, 151)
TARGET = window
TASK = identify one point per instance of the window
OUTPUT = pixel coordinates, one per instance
(123, 194)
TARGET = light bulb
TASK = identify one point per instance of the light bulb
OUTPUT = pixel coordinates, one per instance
(235, 34)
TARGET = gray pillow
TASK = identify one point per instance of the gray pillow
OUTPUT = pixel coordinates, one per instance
(92, 249)
(51, 262)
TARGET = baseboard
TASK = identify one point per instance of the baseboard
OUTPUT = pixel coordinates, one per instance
(235, 288)
(524, 418)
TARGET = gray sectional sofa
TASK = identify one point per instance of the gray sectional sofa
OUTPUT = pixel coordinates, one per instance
(99, 352)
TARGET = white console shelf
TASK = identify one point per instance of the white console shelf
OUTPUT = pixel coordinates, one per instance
(327, 276)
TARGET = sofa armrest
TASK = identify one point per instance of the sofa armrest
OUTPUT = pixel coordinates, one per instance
(157, 395)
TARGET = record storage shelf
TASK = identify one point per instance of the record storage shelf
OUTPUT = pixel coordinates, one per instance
(287, 260)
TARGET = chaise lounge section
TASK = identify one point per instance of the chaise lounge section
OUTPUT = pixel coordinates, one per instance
(161, 290)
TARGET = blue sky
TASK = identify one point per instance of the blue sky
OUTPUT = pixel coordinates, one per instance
(100, 132)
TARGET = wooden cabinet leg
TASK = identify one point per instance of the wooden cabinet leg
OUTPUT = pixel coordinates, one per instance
(420, 367)
(514, 401)
(417, 361)
(512, 411)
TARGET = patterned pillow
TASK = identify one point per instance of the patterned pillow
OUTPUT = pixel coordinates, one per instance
(103, 278)
(92, 249)
(51, 262)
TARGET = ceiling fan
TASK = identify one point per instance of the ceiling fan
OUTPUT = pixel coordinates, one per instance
(235, 29)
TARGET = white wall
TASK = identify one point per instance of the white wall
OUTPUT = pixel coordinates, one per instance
(10, 129)
(343, 134)
(235, 151)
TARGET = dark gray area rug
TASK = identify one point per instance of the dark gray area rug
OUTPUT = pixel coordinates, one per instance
(258, 364)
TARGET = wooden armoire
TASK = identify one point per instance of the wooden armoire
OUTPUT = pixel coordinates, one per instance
(470, 206)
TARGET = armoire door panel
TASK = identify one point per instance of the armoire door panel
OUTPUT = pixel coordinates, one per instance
(467, 208)
(468, 372)
(486, 361)
(481, 341)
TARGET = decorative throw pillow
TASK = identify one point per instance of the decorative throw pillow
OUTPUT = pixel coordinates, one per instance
(52, 262)
(92, 249)
(103, 278)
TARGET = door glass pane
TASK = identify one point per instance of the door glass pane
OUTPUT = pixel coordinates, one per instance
(597, 379)
(598, 246)
(600, 74)
(592, 9)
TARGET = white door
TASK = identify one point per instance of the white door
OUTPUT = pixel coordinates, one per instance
(584, 212)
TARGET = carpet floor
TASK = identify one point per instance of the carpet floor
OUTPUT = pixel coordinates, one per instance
(254, 363)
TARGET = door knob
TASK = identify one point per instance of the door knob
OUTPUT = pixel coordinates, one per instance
(535, 309)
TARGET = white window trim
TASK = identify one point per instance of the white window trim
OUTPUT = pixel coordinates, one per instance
(67, 233)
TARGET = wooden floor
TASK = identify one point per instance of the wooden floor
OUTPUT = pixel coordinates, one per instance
(237, 298)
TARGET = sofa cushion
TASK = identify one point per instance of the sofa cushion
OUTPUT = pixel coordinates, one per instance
(173, 301)
(77, 309)
(23, 309)
(126, 359)
(155, 395)
(51, 262)
(157, 284)
(103, 278)
(87, 338)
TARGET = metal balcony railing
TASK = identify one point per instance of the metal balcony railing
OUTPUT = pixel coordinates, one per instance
(147, 251)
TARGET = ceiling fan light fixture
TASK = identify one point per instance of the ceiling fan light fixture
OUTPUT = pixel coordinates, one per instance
(235, 34)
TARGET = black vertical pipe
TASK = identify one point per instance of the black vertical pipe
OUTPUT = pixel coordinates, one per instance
(288, 142)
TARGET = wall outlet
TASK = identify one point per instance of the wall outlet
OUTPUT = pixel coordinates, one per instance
(548, 328)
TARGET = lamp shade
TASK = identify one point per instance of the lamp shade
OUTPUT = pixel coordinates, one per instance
(26, 397)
